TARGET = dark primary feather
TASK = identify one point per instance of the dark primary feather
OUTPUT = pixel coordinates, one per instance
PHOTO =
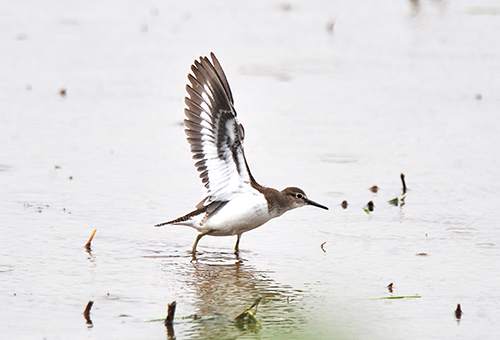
(214, 134)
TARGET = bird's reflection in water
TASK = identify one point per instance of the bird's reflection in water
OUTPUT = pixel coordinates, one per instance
(222, 287)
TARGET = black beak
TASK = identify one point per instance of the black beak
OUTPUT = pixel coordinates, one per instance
(308, 201)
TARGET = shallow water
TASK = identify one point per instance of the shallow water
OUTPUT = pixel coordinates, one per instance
(394, 87)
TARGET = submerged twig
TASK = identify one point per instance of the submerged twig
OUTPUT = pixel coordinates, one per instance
(404, 183)
(169, 320)
(86, 314)
(87, 245)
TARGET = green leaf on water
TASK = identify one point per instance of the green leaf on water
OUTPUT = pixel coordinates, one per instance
(398, 200)
(193, 318)
(394, 201)
(247, 320)
(397, 297)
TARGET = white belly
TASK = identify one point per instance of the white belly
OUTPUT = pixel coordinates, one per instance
(241, 214)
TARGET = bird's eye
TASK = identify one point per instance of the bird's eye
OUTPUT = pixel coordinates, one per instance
(299, 195)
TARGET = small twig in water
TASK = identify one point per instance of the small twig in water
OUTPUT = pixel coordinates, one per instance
(87, 246)
(86, 314)
(169, 320)
(322, 244)
(458, 313)
(170, 314)
(400, 201)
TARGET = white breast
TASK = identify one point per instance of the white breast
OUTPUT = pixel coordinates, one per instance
(244, 212)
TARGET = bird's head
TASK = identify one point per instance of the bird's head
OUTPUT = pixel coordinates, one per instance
(298, 198)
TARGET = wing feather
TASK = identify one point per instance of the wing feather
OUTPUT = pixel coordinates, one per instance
(214, 134)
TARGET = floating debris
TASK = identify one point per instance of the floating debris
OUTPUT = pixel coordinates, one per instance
(329, 26)
(422, 254)
(86, 314)
(247, 320)
(87, 245)
(344, 204)
(374, 189)
(369, 207)
(479, 96)
(62, 92)
(322, 244)
(37, 207)
(458, 313)
(390, 287)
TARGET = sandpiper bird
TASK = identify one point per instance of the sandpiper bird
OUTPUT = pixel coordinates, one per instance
(234, 202)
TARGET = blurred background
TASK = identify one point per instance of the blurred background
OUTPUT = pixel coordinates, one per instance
(336, 97)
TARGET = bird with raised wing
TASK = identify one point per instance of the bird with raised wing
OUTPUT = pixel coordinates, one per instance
(235, 203)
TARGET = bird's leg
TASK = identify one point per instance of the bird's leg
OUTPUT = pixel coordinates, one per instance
(237, 246)
(198, 240)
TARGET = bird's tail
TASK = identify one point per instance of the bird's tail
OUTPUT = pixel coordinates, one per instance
(164, 223)
(183, 218)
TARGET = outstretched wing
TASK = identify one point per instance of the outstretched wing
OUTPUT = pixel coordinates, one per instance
(213, 131)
